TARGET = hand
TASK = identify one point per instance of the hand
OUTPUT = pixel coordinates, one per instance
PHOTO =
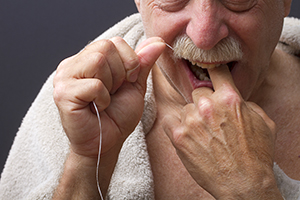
(225, 143)
(113, 75)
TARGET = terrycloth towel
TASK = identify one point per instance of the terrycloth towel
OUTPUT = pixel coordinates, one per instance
(36, 160)
(290, 37)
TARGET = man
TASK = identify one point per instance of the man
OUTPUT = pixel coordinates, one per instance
(200, 126)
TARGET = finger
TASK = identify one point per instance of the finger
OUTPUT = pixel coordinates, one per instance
(220, 77)
(80, 93)
(147, 58)
(147, 42)
(109, 51)
(171, 126)
(91, 65)
(201, 92)
(95, 65)
(129, 58)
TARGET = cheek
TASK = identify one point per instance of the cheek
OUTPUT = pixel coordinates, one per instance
(259, 30)
(257, 39)
(165, 25)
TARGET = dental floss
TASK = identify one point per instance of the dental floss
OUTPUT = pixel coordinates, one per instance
(169, 46)
(100, 146)
(100, 128)
(169, 78)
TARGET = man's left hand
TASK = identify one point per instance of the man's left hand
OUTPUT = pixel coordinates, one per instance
(226, 143)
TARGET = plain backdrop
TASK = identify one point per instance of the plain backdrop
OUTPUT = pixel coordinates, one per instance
(35, 35)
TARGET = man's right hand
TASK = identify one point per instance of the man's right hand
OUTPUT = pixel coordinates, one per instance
(113, 75)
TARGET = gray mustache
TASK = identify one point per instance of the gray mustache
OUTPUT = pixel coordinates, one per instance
(226, 50)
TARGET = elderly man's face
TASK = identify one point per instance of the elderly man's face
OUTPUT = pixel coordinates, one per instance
(254, 24)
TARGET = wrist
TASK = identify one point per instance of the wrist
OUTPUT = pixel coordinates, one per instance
(78, 180)
(76, 161)
(265, 187)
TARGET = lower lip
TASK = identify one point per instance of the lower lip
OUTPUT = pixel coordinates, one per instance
(196, 83)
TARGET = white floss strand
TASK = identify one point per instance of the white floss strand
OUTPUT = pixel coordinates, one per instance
(169, 46)
(100, 140)
(100, 146)
(168, 76)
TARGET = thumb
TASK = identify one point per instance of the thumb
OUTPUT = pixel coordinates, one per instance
(172, 128)
(270, 123)
(147, 57)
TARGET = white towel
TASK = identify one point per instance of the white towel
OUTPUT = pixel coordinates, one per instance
(290, 37)
(36, 160)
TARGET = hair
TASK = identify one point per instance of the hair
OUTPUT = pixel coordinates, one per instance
(227, 49)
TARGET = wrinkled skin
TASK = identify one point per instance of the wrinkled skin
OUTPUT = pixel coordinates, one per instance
(207, 22)
(224, 142)
(113, 75)
(219, 136)
(99, 74)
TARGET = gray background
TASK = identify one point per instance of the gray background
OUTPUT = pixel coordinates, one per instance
(35, 35)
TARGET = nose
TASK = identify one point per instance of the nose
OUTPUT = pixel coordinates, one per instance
(206, 26)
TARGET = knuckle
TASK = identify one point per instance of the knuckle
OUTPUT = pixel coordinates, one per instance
(56, 79)
(190, 120)
(179, 138)
(117, 39)
(97, 85)
(106, 46)
(230, 97)
(62, 66)
(205, 105)
(96, 59)
(65, 62)
(132, 61)
(104, 97)
(58, 92)
(64, 69)
(145, 60)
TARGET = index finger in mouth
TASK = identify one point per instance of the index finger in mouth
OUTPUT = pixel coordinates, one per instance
(221, 77)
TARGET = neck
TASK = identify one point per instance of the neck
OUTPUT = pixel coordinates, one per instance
(278, 96)
(280, 82)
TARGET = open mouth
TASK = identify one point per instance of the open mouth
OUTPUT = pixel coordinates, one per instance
(200, 69)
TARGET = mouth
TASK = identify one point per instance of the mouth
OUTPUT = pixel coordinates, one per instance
(199, 70)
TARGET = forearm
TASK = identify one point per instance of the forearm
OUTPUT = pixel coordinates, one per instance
(79, 178)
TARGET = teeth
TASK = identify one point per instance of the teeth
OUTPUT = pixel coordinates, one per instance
(198, 68)
(199, 73)
(206, 66)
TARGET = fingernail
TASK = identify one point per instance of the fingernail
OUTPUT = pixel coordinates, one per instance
(132, 74)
